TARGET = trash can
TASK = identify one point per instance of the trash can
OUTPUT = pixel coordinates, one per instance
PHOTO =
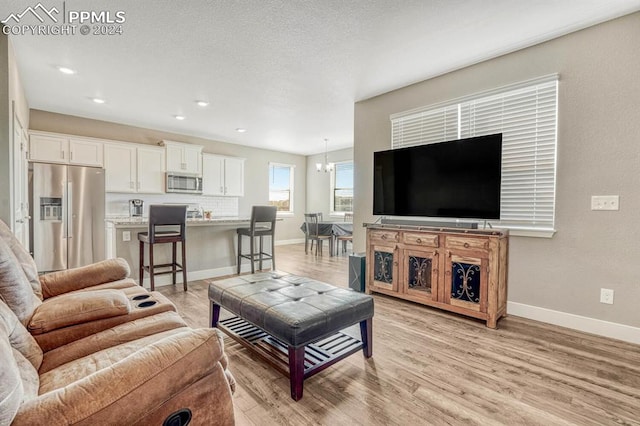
(357, 273)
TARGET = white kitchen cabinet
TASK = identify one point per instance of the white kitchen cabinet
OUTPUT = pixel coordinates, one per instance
(183, 158)
(222, 175)
(234, 176)
(132, 168)
(56, 148)
(86, 152)
(120, 163)
(151, 169)
(49, 148)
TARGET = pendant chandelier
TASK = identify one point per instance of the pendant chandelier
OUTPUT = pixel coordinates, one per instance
(327, 166)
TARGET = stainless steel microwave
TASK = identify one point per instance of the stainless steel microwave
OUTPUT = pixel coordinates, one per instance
(185, 184)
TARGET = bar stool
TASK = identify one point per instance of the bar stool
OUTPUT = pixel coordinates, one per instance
(263, 224)
(163, 216)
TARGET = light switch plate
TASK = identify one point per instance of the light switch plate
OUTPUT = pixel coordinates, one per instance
(126, 235)
(605, 202)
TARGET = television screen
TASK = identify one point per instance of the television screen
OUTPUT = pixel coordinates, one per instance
(455, 179)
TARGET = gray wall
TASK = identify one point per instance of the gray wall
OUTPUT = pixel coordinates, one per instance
(256, 165)
(319, 183)
(598, 154)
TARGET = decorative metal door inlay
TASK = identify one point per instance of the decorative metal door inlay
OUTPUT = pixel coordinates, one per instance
(465, 282)
(383, 267)
(420, 273)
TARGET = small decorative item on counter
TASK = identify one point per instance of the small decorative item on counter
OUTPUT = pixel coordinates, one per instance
(207, 214)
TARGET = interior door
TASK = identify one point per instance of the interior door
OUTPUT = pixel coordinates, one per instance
(20, 194)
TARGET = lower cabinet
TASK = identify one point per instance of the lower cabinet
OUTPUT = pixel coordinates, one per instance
(460, 271)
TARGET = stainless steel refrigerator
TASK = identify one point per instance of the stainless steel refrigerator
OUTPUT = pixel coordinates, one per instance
(67, 226)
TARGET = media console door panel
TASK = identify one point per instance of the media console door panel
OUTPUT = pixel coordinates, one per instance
(456, 270)
(383, 268)
(466, 279)
(420, 274)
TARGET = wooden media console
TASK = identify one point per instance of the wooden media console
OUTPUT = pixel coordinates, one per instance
(463, 271)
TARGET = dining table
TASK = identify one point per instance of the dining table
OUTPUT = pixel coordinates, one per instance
(332, 229)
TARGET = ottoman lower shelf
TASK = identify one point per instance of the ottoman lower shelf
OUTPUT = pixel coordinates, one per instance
(317, 356)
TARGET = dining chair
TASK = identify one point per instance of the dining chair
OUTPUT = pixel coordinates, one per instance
(313, 233)
(348, 217)
(306, 233)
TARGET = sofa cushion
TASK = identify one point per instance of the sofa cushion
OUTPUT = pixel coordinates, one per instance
(77, 308)
(143, 388)
(123, 333)
(124, 284)
(106, 358)
(15, 289)
(11, 390)
(19, 338)
(28, 376)
(56, 283)
(24, 258)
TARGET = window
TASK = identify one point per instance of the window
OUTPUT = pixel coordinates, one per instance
(342, 187)
(526, 115)
(281, 187)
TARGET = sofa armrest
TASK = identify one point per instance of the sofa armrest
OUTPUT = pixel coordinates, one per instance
(78, 308)
(127, 391)
(60, 282)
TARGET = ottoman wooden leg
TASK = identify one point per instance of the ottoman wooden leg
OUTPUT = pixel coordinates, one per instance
(214, 314)
(296, 371)
(366, 335)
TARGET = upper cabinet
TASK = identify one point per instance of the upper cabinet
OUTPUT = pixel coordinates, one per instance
(222, 175)
(55, 148)
(183, 158)
(133, 168)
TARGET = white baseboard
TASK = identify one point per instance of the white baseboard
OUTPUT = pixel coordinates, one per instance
(201, 275)
(589, 325)
(285, 242)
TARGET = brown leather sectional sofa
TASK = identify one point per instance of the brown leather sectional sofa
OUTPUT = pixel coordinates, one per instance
(88, 346)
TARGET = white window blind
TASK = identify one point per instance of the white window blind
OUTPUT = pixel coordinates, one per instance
(526, 115)
(424, 127)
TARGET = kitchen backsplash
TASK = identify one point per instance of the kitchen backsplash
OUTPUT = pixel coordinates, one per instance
(118, 204)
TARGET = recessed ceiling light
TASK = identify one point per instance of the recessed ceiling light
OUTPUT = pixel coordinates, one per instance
(241, 130)
(202, 103)
(179, 117)
(66, 70)
(98, 100)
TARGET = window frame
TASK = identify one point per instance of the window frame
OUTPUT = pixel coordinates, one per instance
(292, 169)
(438, 122)
(332, 189)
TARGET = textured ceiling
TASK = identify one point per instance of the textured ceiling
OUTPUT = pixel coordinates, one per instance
(288, 71)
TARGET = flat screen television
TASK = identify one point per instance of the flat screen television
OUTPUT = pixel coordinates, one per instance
(454, 179)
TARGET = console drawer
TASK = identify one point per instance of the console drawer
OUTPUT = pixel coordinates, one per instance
(382, 236)
(421, 239)
(467, 243)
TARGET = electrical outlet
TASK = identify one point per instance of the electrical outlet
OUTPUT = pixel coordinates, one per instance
(126, 235)
(606, 296)
(605, 202)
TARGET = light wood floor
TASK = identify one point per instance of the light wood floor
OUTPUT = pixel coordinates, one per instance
(433, 367)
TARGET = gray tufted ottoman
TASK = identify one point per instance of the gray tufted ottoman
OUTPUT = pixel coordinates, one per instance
(293, 322)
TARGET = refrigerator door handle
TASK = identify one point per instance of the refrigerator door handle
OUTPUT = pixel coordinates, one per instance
(69, 210)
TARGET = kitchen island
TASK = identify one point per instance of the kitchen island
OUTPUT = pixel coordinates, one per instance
(211, 246)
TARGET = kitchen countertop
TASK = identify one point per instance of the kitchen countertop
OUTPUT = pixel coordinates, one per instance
(135, 222)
